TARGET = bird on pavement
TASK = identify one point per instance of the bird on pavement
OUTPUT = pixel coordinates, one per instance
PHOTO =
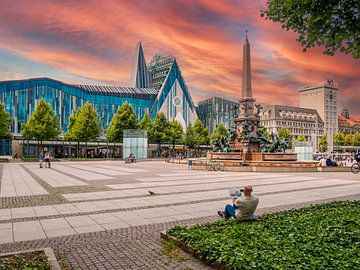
(151, 193)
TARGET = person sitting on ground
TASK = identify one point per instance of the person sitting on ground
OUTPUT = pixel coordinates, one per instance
(242, 208)
(132, 158)
(329, 162)
(322, 162)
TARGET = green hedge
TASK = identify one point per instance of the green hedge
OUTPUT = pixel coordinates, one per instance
(324, 236)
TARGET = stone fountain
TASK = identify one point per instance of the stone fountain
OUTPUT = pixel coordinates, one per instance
(245, 140)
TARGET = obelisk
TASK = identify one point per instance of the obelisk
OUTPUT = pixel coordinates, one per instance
(246, 79)
(247, 123)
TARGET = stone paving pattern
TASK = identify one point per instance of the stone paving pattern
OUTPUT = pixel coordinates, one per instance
(99, 215)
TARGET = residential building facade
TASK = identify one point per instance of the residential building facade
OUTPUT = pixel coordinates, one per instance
(299, 121)
(347, 124)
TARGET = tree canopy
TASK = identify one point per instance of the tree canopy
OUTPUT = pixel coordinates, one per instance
(284, 133)
(201, 134)
(5, 122)
(43, 123)
(333, 25)
(189, 137)
(86, 126)
(175, 132)
(125, 118)
(147, 125)
(72, 119)
(219, 132)
(339, 138)
(160, 130)
(323, 144)
(301, 138)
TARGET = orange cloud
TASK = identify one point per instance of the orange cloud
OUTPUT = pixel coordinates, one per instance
(95, 40)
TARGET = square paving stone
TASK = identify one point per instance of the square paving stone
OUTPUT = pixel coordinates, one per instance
(28, 230)
(80, 221)
(89, 228)
(104, 218)
(22, 212)
(6, 236)
(4, 226)
(5, 214)
(47, 210)
(115, 225)
(55, 224)
(60, 232)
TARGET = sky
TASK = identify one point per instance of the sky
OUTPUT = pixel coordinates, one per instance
(93, 42)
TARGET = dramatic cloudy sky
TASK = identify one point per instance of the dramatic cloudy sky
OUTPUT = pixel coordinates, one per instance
(91, 41)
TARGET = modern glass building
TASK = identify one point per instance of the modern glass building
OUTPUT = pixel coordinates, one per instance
(216, 110)
(156, 87)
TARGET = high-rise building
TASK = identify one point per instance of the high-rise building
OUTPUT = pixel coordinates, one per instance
(299, 121)
(216, 110)
(159, 87)
(323, 98)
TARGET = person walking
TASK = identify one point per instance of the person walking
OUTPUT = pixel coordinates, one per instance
(41, 158)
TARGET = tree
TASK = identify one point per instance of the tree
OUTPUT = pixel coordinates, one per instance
(349, 139)
(86, 126)
(72, 119)
(189, 137)
(175, 132)
(42, 125)
(219, 132)
(201, 134)
(339, 138)
(323, 144)
(285, 134)
(147, 125)
(125, 118)
(330, 24)
(160, 130)
(300, 138)
(357, 139)
(5, 122)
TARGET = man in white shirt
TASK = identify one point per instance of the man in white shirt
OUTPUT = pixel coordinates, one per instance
(243, 208)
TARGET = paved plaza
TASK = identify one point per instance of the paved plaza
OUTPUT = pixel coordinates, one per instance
(100, 215)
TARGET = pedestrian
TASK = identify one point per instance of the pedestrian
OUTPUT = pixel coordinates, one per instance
(41, 158)
(48, 159)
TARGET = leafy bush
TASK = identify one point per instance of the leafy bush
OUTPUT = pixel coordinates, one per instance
(324, 236)
(29, 261)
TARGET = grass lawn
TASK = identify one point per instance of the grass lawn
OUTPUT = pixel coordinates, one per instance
(324, 236)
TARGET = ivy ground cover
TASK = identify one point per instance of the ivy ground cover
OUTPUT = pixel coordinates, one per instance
(324, 236)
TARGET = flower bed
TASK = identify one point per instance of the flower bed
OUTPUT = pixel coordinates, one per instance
(324, 236)
(31, 260)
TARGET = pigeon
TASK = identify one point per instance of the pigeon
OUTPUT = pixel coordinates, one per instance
(151, 193)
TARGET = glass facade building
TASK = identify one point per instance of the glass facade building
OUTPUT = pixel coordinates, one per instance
(21, 98)
(216, 110)
(159, 87)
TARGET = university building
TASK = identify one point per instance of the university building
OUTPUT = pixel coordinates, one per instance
(156, 87)
(216, 110)
(299, 121)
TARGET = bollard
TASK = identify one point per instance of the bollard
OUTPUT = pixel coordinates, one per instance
(190, 164)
